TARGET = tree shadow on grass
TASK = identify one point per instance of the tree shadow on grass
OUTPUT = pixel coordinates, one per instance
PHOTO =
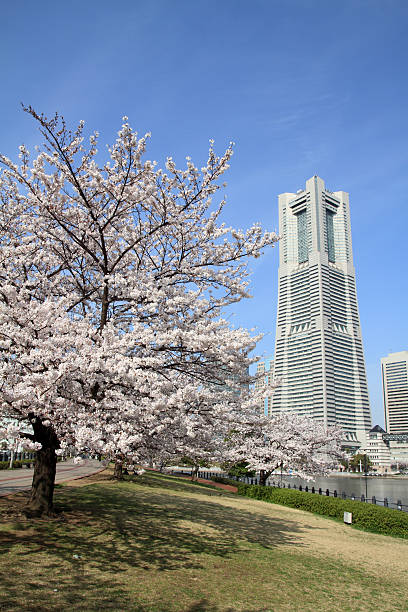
(60, 591)
(205, 606)
(111, 528)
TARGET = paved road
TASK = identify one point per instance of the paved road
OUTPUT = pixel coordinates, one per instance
(13, 481)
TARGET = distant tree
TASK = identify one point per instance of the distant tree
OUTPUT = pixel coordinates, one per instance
(13, 442)
(286, 441)
(239, 469)
(345, 463)
(400, 466)
(195, 463)
(361, 462)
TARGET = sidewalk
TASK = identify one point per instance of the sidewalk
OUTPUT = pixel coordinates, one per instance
(13, 481)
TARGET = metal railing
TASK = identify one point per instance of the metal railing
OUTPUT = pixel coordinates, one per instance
(23, 456)
(387, 503)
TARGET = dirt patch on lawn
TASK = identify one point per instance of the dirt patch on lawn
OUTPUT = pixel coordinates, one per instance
(100, 477)
(11, 506)
(218, 485)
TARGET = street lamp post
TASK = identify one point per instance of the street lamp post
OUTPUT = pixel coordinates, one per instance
(365, 474)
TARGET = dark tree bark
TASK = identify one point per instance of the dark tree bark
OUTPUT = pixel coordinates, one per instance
(42, 488)
(194, 472)
(263, 477)
(118, 472)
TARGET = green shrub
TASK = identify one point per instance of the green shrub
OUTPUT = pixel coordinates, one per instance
(367, 516)
(4, 465)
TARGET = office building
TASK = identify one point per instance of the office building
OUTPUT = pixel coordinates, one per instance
(319, 356)
(394, 369)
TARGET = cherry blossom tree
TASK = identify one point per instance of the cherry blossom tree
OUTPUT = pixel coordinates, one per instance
(114, 278)
(195, 423)
(201, 439)
(286, 441)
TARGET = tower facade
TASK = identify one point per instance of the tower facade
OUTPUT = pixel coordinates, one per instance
(319, 358)
(394, 370)
(264, 383)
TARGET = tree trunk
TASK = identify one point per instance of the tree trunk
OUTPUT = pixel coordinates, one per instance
(263, 477)
(118, 473)
(42, 488)
(194, 473)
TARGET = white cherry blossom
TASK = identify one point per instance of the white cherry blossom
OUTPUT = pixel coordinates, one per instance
(114, 279)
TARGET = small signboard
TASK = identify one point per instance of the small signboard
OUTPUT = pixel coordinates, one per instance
(348, 518)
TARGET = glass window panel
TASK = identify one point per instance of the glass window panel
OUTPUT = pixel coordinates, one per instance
(303, 254)
(330, 235)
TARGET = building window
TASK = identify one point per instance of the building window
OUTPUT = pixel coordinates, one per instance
(302, 236)
(330, 235)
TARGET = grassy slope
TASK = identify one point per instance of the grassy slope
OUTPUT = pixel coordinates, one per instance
(163, 544)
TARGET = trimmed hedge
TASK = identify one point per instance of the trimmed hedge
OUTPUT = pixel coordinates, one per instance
(4, 465)
(370, 517)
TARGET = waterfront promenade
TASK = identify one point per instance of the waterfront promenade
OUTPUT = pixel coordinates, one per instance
(393, 488)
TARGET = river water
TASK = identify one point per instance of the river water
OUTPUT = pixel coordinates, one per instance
(393, 488)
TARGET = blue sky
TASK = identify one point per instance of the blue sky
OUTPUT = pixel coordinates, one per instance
(303, 87)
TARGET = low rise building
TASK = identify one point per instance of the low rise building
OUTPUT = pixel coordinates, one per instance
(378, 450)
(398, 448)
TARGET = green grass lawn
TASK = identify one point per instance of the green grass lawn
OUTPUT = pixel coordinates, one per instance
(163, 544)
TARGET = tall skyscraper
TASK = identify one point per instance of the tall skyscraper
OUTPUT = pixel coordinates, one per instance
(319, 356)
(394, 370)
